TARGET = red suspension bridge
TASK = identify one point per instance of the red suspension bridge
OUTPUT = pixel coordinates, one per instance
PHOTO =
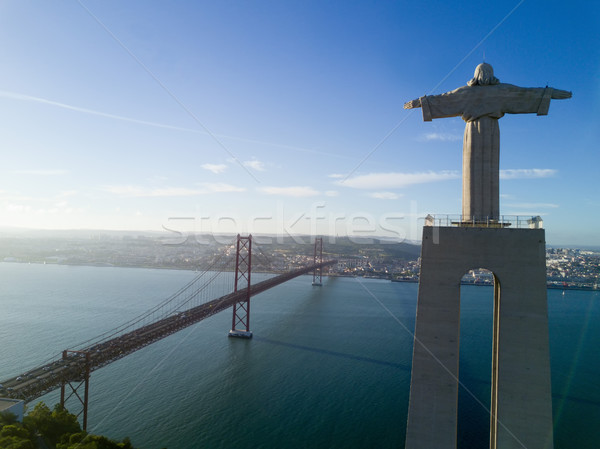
(210, 292)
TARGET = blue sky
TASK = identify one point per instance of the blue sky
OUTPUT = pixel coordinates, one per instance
(286, 116)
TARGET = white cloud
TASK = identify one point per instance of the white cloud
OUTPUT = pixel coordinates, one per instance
(525, 214)
(445, 137)
(533, 205)
(124, 190)
(157, 179)
(222, 187)
(215, 168)
(137, 191)
(384, 195)
(395, 180)
(17, 197)
(295, 191)
(67, 193)
(255, 164)
(17, 208)
(42, 172)
(54, 208)
(332, 193)
(336, 175)
(527, 173)
(173, 191)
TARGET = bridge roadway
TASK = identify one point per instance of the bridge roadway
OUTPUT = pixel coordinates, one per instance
(46, 378)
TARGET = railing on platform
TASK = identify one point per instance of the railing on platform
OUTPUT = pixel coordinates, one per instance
(504, 221)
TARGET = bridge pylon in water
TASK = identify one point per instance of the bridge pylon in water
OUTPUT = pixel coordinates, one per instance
(240, 324)
(318, 259)
(82, 378)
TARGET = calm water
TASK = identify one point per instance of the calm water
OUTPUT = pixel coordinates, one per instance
(327, 367)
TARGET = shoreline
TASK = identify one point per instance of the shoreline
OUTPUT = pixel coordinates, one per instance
(549, 285)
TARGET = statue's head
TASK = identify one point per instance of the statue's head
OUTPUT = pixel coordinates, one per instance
(484, 76)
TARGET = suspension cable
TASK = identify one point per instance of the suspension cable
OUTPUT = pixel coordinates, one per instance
(119, 329)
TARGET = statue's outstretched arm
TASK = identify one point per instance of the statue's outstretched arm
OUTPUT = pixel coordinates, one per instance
(413, 104)
(558, 94)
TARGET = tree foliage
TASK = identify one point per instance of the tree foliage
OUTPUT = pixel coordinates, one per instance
(84, 441)
(14, 430)
(12, 434)
(52, 425)
(7, 418)
(59, 429)
(16, 443)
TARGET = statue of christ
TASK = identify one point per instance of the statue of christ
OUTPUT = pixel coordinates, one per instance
(480, 104)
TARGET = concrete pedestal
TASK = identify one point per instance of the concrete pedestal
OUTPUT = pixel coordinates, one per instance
(240, 334)
(521, 403)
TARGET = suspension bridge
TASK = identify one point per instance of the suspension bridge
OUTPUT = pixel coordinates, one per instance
(216, 288)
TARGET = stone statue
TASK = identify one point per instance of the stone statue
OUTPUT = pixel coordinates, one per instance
(481, 103)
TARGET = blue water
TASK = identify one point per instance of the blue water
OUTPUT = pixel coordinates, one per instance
(327, 367)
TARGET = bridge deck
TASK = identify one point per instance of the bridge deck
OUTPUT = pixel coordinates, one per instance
(46, 378)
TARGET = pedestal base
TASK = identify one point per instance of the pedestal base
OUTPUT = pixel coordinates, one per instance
(521, 403)
(240, 334)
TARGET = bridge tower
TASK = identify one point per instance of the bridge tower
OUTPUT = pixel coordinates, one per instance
(82, 378)
(240, 324)
(318, 259)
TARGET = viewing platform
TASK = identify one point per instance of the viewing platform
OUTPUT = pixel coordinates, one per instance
(504, 221)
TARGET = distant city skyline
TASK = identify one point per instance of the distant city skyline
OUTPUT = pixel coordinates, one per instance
(285, 118)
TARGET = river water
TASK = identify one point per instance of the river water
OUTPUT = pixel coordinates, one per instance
(328, 366)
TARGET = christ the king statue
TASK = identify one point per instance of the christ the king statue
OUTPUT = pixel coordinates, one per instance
(480, 104)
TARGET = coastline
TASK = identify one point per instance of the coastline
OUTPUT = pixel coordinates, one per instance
(549, 285)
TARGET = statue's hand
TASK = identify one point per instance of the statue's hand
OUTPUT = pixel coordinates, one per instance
(413, 104)
(558, 94)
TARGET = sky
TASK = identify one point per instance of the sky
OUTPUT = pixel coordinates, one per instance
(286, 117)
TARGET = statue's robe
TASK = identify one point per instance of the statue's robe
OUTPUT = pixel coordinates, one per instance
(481, 107)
